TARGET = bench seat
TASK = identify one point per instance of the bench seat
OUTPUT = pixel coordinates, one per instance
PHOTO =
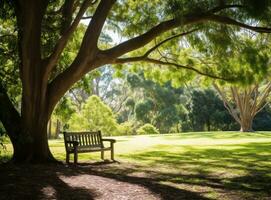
(88, 149)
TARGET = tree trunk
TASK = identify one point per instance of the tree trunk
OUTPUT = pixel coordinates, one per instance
(32, 144)
(32, 147)
(246, 125)
(208, 125)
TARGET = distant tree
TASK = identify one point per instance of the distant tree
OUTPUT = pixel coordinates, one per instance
(244, 103)
(156, 104)
(95, 115)
(206, 111)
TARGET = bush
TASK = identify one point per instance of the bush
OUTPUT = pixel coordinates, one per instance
(125, 128)
(147, 129)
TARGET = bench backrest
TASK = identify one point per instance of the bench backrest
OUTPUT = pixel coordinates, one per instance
(84, 139)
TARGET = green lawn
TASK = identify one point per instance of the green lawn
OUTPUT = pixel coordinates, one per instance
(217, 165)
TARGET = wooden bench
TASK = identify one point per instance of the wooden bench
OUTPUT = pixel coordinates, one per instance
(83, 142)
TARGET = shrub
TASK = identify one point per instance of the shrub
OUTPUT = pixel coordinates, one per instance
(125, 128)
(147, 129)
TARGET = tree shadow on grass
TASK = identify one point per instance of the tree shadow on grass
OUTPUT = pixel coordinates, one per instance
(61, 182)
(243, 169)
(192, 174)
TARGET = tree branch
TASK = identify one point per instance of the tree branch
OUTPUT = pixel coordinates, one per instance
(227, 104)
(53, 58)
(67, 12)
(223, 7)
(87, 57)
(141, 40)
(229, 21)
(148, 36)
(87, 17)
(90, 40)
(265, 94)
(160, 62)
(168, 39)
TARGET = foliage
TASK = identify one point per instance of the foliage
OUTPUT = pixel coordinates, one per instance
(147, 129)
(155, 103)
(206, 112)
(126, 128)
(262, 120)
(95, 115)
(64, 110)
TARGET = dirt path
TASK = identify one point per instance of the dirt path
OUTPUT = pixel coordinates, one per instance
(87, 181)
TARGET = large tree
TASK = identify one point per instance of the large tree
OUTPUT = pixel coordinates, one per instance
(43, 29)
(244, 103)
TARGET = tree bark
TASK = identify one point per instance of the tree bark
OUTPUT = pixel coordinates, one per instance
(32, 147)
(246, 125)
(29, 140)
(50, 129)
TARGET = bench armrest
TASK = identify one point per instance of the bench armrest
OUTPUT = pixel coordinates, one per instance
(74, 143)
(109, 140)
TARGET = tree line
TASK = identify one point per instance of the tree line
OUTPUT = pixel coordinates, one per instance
(130, 101)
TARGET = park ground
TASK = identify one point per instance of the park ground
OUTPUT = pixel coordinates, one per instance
(213, 165)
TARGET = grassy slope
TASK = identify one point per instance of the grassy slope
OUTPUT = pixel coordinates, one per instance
(218, 165)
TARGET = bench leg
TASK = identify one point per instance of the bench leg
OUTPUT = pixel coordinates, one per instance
(112, 152)
(67, 158)
(75, 157)
(102, 155)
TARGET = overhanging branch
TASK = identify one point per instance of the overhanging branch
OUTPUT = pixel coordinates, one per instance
(223, 7)
(166, 40)
(141, 40)
(230, 21)
(147, 53)
(160, 62)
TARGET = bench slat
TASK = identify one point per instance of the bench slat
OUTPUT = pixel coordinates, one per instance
(92, 139)
(83, 140)
(87, 141)
(95, 140)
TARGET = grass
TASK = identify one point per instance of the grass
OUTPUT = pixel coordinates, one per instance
(216, 165)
